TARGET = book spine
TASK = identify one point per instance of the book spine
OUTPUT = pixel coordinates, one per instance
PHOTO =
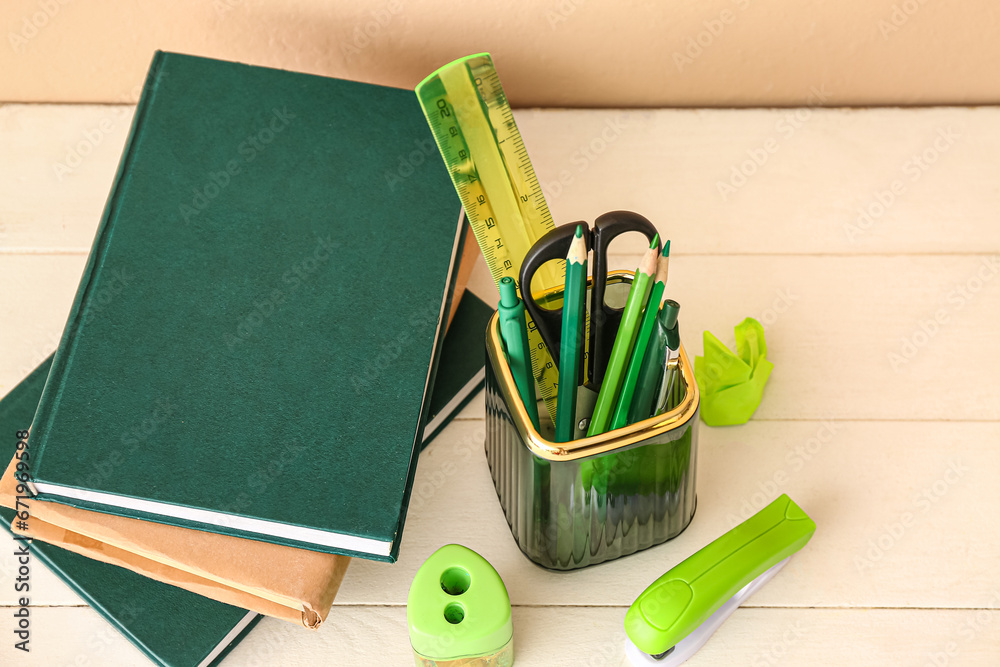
(449, 294)
(63, 356)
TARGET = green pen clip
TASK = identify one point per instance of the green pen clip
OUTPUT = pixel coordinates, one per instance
(678, 612)
(458, 612)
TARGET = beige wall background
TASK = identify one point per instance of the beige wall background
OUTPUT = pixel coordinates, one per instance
(630, 53)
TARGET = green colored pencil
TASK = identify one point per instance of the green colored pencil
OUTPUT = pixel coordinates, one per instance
(633, 389)
(624, 341)
(662, 264)
(571, 342)
(514, 330)
(635, 362)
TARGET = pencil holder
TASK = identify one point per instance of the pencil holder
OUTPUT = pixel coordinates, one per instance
(579, 503)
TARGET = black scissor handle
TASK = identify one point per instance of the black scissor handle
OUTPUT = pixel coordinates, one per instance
(605, 320)
(552, 246)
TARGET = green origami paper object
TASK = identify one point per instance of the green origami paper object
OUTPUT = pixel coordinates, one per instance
(732, 385)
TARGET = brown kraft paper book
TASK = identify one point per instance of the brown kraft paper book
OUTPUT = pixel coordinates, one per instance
(296, 585)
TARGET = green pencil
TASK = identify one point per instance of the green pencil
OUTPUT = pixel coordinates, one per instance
(624, 340)
(514, 330)
(662, 264)
(635, 362)
(571, 342)
(630, 393)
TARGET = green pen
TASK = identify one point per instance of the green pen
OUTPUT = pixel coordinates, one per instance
(571, 343)
(514, 331)
(624, 341)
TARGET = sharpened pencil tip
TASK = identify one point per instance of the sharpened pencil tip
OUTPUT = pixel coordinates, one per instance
(656, 242)
(649, 262)
(577, 248)
(666, 248)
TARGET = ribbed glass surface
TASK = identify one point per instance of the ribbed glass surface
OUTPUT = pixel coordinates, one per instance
(567, 515)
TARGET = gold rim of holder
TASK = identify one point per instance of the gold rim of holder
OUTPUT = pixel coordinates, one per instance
(599, 444)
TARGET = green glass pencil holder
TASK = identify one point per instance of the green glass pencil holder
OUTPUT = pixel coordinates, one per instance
(593, 499)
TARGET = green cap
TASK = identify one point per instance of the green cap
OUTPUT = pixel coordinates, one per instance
(458, 606)
(668, 320)
(508, 293)
(668, 313)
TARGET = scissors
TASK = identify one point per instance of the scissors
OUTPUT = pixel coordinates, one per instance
(604, 320)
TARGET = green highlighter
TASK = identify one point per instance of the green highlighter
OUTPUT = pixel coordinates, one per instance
(678, 612)
(458, 612)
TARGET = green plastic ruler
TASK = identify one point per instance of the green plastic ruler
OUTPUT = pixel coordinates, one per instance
(478, 138)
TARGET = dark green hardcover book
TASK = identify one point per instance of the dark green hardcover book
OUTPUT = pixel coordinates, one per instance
(462, 369)
(170, 625)
(255, 331)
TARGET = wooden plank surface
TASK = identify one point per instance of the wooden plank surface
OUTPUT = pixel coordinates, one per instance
(881, 419)
(567, 637)
(851, 337)
(891, 519)
(823, 167)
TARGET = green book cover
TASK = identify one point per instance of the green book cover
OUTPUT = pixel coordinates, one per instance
(170, 625)
(254, 333)
(462, 369)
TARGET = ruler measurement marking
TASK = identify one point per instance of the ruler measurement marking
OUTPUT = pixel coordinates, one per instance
(491, 170)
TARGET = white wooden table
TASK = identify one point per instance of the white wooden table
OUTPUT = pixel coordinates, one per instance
(881, 419)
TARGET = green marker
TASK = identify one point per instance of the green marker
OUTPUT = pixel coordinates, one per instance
(635, 363)
(670, 388)
(514, 330)
(663, 341)
(458, 610)
(571, 341)
(624, 341)
(670, 323)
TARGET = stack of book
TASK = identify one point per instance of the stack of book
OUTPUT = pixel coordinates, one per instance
(247, 373)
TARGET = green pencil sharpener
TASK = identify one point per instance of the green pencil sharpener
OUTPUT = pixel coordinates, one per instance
(592, 499)
(458, 612)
